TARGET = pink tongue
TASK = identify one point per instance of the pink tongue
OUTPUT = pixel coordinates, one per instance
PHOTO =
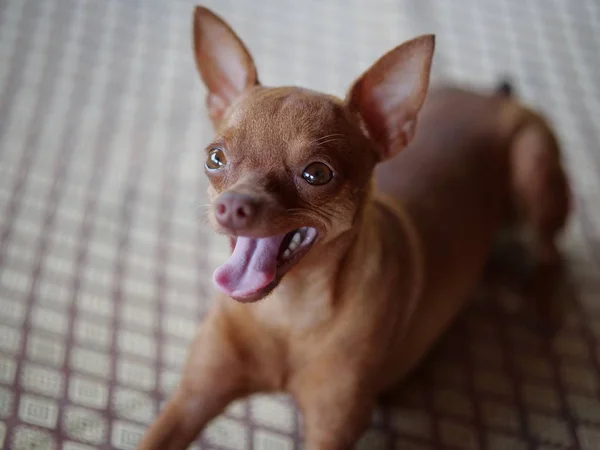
(251, 266)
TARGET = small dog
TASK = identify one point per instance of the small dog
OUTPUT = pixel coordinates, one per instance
(358, 228)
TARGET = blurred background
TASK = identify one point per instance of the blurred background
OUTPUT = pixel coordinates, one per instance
(105, 270)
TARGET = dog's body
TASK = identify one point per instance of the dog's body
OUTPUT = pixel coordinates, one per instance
(393, 264)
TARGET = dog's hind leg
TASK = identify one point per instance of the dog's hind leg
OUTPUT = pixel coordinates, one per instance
(542, 200)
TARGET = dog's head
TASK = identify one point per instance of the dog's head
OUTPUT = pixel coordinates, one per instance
(290, 168)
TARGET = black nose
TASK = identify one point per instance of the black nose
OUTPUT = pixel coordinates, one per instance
(235, 211)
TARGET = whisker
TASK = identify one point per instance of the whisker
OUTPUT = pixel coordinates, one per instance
(328, 141)
(319, 141)
(203, 219)
(320, 214)
(330, 136)
(202, 213)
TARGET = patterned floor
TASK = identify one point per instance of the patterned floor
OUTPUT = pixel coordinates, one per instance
(104, 270)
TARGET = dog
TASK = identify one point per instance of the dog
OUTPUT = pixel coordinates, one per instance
(358, 228)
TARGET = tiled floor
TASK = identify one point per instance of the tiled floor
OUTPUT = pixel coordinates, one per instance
(104, 270)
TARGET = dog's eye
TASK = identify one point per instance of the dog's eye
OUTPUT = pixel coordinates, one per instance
(317, 174)
(216, 159)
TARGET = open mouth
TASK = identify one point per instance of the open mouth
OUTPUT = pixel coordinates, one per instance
(257, 264)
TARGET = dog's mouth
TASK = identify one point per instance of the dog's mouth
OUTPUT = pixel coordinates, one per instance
(256, 265)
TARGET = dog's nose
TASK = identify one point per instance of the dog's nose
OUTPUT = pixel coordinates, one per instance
(235, 211)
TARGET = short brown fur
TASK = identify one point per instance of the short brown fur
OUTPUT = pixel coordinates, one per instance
(403, 235)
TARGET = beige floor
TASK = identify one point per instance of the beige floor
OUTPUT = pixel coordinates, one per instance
(104, 271)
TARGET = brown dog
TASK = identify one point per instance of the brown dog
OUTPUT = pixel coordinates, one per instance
(358, 268)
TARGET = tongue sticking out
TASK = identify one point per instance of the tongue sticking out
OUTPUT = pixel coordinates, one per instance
(251, 266)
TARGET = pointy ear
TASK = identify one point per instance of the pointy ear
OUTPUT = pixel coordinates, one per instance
(389, 95)
(224, 63)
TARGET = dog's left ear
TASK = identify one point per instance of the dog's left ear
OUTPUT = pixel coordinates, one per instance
(389, 95)
(224, 62)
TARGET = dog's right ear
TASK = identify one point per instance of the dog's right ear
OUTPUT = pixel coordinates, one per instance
(224, 63)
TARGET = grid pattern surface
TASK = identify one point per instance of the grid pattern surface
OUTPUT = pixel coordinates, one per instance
(104, 270)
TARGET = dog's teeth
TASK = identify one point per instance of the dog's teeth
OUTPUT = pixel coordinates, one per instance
(287, 253)
(296, 239)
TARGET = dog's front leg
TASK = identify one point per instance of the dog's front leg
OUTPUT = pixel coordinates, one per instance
(335, 404)
(214, 376)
